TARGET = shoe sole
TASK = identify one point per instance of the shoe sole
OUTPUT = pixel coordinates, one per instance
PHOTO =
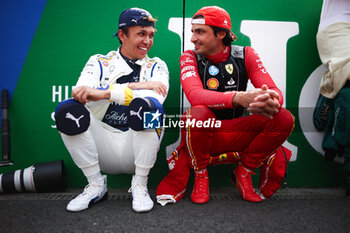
(200, 202)
(143, 211)
(104, 197)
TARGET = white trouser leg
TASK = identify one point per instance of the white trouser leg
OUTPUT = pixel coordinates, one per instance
(101, 149)
(116, 152)
(113, 152)
(83, 150)
(146, 145)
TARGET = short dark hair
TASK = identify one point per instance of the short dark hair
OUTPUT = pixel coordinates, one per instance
(126, 32)
(227, 40)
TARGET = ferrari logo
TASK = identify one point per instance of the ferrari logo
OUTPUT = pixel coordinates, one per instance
(223, 157)
(229, 68)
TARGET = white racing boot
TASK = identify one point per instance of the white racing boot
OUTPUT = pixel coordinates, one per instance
(92, 193)
(141, 201)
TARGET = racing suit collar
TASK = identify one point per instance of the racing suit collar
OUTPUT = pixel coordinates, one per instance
(131, 62)
(221, 56)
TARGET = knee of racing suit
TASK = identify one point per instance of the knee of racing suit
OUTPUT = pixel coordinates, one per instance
(72, 117)
(145, 113)
(274, 133)
(198, 118)
(282, 123)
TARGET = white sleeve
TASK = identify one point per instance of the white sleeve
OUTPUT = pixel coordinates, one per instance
(158, 73)
(90, 76)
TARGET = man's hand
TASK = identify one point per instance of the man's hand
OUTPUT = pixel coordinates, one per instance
(261, 101)
(86, 94)
(159, 87)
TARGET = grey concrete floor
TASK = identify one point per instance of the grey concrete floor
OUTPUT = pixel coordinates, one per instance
(290, 210)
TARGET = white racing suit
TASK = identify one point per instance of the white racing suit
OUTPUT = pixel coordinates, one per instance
(103, 147)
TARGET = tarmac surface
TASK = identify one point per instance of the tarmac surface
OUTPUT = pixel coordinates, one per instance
(290, 210)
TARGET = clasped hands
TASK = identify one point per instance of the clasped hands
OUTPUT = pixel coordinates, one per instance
(260, 101)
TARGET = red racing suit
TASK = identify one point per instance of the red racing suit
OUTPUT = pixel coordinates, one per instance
(210, 84)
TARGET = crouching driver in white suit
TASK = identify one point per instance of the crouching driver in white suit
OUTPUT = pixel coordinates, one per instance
(102, 126)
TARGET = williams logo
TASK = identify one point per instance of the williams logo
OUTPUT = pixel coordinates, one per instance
(152, 120)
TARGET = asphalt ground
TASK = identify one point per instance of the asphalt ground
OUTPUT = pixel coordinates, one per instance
(290, 210)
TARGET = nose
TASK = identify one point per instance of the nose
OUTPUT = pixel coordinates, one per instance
(193, 38)
(147, 40)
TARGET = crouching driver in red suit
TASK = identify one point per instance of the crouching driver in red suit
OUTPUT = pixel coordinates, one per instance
(214, 78)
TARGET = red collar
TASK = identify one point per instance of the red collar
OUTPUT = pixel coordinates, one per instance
(221, 56)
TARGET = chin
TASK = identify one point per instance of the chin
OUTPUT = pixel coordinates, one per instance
(199, 52)
(142, 55)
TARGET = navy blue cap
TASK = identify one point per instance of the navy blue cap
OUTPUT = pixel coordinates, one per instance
(134, 17)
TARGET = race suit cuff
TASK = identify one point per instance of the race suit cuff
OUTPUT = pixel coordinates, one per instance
(232, 95)
(120, 94)
(128, 95)
(165, 199)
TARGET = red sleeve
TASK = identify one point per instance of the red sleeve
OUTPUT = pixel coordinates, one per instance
(257, 73)
(193, 87)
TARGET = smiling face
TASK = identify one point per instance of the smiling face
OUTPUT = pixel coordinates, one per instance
(204, 40)
(137, 42)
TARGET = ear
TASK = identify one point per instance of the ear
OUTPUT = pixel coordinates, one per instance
(121, 35)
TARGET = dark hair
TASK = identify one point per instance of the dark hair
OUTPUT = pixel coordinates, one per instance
(227, 40)
(126, 32)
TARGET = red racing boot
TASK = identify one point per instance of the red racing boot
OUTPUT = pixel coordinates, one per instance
(241, 178)
(200, 192)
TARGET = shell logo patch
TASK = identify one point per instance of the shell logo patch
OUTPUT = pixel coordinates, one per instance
(213, 83)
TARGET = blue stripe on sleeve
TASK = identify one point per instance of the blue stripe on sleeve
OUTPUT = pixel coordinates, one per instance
(153, 68)
(99, 62)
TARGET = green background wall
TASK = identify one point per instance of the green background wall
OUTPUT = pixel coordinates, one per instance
(69, 32)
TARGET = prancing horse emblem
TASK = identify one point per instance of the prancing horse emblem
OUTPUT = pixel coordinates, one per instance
(229, 68)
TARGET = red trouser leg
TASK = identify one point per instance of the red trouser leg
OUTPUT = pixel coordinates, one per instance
(254, 136)
(198, 139)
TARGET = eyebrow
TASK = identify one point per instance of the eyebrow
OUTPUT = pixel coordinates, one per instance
(197, 29)
(145, 31)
